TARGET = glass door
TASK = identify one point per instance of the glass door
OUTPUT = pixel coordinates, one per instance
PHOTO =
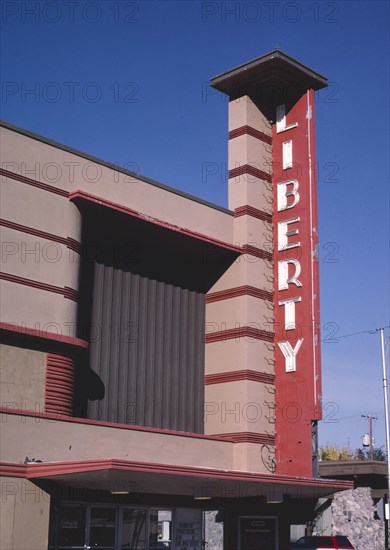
(85, 526)
(102, 528)
(71, 528)
(133, 529)
(109, 527)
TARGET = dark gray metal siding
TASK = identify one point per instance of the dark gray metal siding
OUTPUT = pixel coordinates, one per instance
(147, 347)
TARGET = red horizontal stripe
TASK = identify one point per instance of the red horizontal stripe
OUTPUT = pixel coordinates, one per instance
(73, 244)
(63, 383)
(30, 333)
(34, 183)
(235, 376)
(67, 241)
(250, 131)
(258, 252)
(253, 212)
(249, 437)
(238, 333)
(251, 170)
(66, 291)
(245, 290)
(42, 469)
(9, 469)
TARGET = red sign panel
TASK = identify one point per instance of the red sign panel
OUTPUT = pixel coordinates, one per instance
(297, 339)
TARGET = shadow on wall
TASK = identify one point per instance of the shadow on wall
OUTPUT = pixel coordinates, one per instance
(89, 387)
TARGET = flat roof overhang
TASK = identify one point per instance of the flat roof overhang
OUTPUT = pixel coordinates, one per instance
(270, 80)
(158, 249)
(352, 468)
(363, 473)
(169, 479)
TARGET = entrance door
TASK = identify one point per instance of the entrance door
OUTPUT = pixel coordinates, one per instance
(110, 527)
(258, 533)
(71, 528)
(102, 528)
(82, 527)
(133, 529)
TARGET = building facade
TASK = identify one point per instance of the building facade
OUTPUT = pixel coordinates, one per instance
(161, 378)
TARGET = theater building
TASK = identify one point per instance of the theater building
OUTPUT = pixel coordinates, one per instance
(161, 376)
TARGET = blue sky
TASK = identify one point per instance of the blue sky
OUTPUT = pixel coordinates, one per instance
(127, 81)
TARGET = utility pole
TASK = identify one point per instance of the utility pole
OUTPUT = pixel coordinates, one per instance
(386, 404)
(370, 419)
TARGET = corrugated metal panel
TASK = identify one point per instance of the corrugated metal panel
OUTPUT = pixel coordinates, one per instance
(148, 351)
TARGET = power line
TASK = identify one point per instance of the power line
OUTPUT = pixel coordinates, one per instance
(355, 333)
(373, 331)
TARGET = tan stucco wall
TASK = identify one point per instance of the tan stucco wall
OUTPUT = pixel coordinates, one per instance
(230, 356)
(50, 440)
(257, 233)
(24, 516)
(254, 457)
(111, 185)
(251, 191)
(243, 112)
(231, 405)
(51, 213)
(36, 258)
(240, 406)
(239, 312)
(37, 309)
(247, 189)
(22, 384)
(249, 150)
(248, 270)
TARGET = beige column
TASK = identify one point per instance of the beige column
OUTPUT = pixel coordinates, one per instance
(239, 314)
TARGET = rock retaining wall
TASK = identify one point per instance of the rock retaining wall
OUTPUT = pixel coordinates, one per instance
(353, 516)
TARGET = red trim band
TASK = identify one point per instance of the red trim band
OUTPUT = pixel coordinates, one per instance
(245, 290)
(67, 241)
(250, 131)
(249, 437)
(82, 195)
(10, 469)
(42, 334)
(47, 469)
(238, 333)
(34, 183)
(258, 252)
(253, 212)
(66, 291)
(252, 171)
(237, 375)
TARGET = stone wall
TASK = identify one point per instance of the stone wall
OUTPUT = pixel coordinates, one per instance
(213, 530)
(353, 516)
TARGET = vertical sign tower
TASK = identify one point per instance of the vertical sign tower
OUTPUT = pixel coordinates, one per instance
(282, 91)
